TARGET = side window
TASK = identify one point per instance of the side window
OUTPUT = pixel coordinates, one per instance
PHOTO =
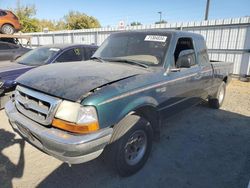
(3, 13)
(74, 54)
(185, 46)
(4, 46)
(88, 53)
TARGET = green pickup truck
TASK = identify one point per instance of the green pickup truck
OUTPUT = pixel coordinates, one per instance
(116, 102)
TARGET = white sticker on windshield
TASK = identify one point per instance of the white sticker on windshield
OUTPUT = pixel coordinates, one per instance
(156, 38)
(54, 49)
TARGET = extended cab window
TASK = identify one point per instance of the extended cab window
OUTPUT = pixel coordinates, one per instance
(74, 54)
(202, 54)
(184, 47)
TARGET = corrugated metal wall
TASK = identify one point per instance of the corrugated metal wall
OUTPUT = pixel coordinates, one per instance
(227, 39)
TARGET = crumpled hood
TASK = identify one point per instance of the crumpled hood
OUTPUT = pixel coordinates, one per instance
(72, 80)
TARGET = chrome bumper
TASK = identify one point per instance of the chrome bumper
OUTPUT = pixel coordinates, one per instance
(69, 148)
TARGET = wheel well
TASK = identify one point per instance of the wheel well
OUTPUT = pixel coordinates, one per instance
(150, 113)
(8, 24)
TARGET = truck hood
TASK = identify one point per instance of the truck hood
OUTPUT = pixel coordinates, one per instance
(72, 80)
(9, 69)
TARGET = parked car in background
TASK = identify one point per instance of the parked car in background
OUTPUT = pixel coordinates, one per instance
(10, 40)
(10, 51)
(44, 55)
(18, 39)
(116, 102)
(9, 23)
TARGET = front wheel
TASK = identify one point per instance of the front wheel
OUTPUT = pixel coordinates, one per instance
(220, 96)
(131, 151)
(8, 29)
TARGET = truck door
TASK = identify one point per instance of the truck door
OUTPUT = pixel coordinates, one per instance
(206, 72)
(183, 87)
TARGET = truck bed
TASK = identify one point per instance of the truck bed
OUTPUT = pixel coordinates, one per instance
(222, 68)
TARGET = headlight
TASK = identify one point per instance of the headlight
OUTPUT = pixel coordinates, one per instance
(76, 118)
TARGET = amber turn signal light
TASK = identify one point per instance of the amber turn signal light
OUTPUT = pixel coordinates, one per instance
(75, 128)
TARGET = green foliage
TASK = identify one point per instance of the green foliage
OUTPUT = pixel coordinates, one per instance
(73, 20)
(51, 25)
(60, 25)
(26, 17)
(161, 22)
(135, 23)
(77, 20)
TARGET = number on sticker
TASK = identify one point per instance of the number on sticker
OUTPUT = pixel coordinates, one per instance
(155, 38)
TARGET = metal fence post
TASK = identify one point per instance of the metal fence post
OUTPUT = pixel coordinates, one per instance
(96, 38)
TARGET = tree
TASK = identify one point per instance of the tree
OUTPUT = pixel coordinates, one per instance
(77, 20)
(51, 25)
(26, 14)
(161, 22)
(135, 23)
(60, 25)
(73, 20)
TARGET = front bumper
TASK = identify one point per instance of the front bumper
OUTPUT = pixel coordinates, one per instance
(67, 147)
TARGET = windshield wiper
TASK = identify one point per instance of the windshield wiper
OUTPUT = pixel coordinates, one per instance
(98, 58)
(129, 61)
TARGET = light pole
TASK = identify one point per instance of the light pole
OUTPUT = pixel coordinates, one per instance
(160, 15)
(207, 9)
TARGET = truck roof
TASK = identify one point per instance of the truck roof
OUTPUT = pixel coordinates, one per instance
(166, 31)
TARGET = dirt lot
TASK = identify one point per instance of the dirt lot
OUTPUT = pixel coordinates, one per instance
(200, 148)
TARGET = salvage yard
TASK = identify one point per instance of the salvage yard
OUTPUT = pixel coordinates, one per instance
(200, 147)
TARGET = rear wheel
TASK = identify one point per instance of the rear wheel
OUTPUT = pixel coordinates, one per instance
(220, 96)
(130, 152)
(8, 29)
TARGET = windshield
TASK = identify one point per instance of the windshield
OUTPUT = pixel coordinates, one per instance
(38, 56)
(149, 49)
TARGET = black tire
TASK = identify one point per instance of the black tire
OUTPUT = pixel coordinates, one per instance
(125, 161)
(8, 29)
(217, 102)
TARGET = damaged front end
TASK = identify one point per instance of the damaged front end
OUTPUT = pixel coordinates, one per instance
(63, 129)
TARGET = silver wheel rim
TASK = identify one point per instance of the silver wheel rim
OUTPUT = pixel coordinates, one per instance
(7, 29)
(135, 147)
(221, 95)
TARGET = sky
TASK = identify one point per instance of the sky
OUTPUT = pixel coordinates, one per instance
(110, 12)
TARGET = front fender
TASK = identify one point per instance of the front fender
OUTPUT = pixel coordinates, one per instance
(111, 113)
(138, 103)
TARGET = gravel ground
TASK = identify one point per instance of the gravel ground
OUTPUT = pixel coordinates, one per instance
(200, 147)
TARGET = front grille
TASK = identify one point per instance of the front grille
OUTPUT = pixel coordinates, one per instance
(35, 105)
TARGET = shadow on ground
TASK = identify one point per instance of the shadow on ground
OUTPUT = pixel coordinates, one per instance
(9, 170)
(199, 147)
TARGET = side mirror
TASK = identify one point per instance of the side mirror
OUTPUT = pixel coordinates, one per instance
(186, 59)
